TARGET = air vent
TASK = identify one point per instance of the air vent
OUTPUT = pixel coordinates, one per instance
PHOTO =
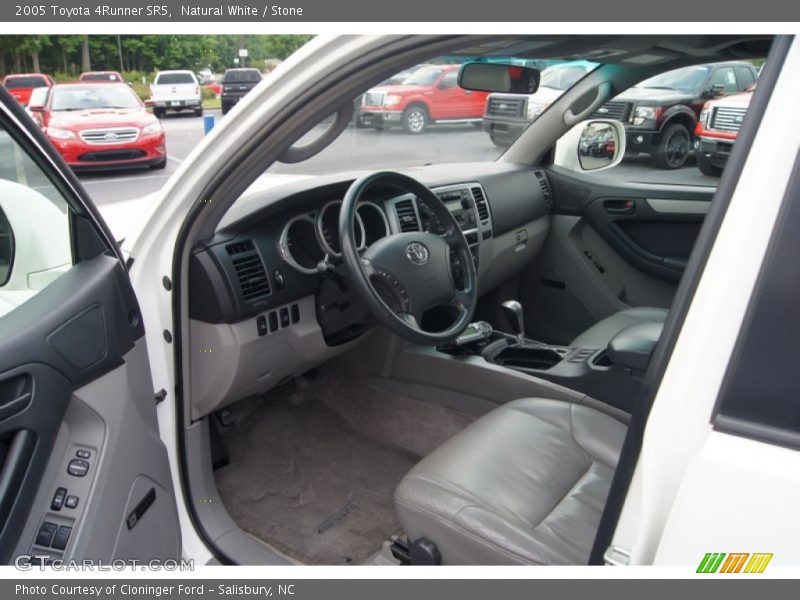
(407, 215)
(250, 271)
(240, 247)
(480, 203)
(545, 185)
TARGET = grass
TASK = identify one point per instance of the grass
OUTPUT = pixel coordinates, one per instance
(212, 103)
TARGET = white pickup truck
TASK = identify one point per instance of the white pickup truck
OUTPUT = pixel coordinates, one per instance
(175, 90)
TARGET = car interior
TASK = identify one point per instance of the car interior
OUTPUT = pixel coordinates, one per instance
(434, 364)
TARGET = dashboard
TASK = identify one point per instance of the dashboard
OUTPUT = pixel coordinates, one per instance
(271, 286)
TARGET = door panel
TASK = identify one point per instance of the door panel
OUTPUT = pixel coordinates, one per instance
(83, 472)
(74, 379)
(611, 246)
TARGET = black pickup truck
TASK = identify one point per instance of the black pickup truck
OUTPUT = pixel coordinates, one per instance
(235, 85)
(660, 113)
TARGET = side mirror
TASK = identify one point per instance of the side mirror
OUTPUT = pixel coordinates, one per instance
(497, 77)
(717, 91)
(592, 146)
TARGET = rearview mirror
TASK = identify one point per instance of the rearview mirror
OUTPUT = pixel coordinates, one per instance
(496, 77)
(592, 146)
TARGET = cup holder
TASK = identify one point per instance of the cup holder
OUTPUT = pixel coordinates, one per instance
(516, 357)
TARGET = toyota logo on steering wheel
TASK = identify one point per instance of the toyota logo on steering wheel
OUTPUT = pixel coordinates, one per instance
(417, 253)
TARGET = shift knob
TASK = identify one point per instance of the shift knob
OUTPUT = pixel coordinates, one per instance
(513, 312)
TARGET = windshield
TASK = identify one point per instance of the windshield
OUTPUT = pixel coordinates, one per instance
(249, 75)
(16, 83)
(174, 78)
(93, 97)
(400, 127)
(427, 76)
(688, 79)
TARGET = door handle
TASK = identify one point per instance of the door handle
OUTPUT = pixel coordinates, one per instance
(619, 207)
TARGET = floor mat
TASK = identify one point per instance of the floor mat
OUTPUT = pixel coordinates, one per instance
(304, 481)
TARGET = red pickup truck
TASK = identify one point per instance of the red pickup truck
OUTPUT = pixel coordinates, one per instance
(716, 131)
(430, 95)
(20, 86)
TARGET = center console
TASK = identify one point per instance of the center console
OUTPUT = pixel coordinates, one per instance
(612, 375)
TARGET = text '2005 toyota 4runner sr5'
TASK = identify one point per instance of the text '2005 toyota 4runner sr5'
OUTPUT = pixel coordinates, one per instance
(659, 114)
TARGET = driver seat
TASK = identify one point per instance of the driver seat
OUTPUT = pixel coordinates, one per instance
(524, 484)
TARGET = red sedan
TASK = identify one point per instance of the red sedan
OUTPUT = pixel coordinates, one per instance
(20, 86)
(97, 126)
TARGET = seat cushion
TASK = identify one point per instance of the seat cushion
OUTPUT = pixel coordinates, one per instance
(600, 334)
(525, 484)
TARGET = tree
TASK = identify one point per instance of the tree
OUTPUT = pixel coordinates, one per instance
(86, 61)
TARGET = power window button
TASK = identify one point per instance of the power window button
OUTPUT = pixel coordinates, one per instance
(61, 537)
(46, 533)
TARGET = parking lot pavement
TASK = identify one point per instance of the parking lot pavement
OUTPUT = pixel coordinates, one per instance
(359, 149)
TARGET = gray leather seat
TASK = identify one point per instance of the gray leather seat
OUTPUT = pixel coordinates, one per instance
(599, 334)
(525, 484)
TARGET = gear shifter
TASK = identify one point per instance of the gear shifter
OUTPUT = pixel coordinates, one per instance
(513, 312)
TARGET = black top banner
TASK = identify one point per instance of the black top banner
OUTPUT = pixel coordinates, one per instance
(463, 11)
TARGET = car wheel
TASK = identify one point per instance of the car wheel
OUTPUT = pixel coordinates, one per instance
(198, 112)
(705, 166)
(159, 165)
(225, 109)
(415, 119)
(501, 141)
(673, 151)
(158, 113)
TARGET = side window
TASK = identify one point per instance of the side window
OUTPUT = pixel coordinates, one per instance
(726, 78)
(450, 80)
(35, 245)
(679, 130)
(746, 78)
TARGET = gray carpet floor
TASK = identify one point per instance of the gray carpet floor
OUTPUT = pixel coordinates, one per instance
(314, 475)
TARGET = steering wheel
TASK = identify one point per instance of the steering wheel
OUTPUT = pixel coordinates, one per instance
(401, 276)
